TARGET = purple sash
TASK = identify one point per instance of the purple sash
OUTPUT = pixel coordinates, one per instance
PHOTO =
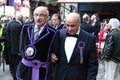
(35, 64)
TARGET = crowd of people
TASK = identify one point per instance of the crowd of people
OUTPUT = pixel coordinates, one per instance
(48, 48)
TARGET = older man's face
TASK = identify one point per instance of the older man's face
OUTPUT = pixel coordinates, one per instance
(55, 20)
(40, 17)
(72, 26)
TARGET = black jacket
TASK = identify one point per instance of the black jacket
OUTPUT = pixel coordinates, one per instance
(74, 70)
(111, 50)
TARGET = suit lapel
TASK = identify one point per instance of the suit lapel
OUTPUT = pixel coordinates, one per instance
(58, 26)
(76, 50)
(45, 32)
(63, 35)
(31, 32)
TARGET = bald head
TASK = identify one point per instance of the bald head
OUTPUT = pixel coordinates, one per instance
(72, 22)
(73, 17)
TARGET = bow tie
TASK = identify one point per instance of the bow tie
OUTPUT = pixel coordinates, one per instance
(74, 35)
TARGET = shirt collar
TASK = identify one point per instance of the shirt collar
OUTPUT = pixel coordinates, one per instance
(78, 31)
(39, 27)
(19, 22)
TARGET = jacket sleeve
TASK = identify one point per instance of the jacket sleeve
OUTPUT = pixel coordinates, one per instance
(109, 47)
(93, 62)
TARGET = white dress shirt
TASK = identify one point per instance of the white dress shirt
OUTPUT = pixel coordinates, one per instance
(69, 46)
(70, 43)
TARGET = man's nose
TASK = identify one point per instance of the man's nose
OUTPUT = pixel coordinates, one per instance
(69, 28)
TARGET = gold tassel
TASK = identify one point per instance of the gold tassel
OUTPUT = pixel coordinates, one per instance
(81, 60)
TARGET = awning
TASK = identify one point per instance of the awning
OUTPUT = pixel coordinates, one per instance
(79, 1)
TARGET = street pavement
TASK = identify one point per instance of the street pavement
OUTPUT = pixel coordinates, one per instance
(5, 75)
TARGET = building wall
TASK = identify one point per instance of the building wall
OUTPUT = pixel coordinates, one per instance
(66, 8)
(92, 8)
(10, 11)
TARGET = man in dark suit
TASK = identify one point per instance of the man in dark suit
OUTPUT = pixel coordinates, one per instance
(77, 58)
(35, 46)
(85, 25)
(14, 29)
(56, 22)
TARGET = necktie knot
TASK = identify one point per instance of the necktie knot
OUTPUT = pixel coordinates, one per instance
(72, 35)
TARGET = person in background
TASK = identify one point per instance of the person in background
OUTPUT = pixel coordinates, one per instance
(102, 34)
(95, 23)
(1, 40)
(111, 51)
(13, 29)
(6, 45)
(77, 56)
(105, 28)
(85, 25)
(56, 21)
(101, 41)
(10, 18)
(26, 19)
(35, 47)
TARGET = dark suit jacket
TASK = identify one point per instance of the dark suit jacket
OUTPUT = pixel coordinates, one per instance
(87, 27)
(73, 70)
(59, 26)
(14, 29)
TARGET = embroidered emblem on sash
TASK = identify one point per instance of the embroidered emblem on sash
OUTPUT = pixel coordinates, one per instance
(30, 51)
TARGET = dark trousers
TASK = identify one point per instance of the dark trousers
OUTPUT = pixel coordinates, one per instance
(13, 65)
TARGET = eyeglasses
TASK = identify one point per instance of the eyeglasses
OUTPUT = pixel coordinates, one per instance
(70, 25)
(40, 15)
